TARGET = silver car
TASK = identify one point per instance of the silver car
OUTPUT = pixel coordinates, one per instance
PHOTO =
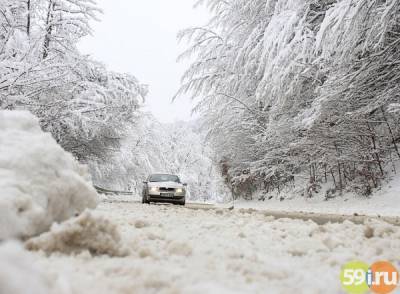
(164, 188)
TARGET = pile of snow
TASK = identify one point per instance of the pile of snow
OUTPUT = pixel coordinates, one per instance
(40, 183)
(88, 232)
(19, 275)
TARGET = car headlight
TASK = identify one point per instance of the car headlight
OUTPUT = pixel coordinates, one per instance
(153, 189)
(179, 190)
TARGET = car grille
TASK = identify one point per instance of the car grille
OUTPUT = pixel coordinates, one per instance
(163, 189)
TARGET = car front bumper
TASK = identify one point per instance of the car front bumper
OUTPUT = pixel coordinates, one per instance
(163, 199)
(163, 194)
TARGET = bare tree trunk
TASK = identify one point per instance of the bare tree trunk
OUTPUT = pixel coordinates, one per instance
(393, 165)
(391, 132)
(340, 178)
(377, 157)
(49, 29)
(339, 169)
(372, 177)
(279, 188)
(314, 172)
(28, 22)
(344, 174)
(334, 179)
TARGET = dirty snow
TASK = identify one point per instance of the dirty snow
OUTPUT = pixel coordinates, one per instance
(40, 183)
(89, 231)
(183, 250)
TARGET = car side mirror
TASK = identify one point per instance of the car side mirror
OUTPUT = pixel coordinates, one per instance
(145, 182)
(185, 184)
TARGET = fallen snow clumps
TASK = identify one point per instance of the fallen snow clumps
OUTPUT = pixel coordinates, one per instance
(88, 232)
(40, 183)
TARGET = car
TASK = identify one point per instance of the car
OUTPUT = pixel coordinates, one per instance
(164, 188)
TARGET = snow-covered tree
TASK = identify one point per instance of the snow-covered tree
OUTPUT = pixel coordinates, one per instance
(298, 88)
(87, 108)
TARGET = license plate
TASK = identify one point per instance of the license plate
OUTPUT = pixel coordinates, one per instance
(167, 194)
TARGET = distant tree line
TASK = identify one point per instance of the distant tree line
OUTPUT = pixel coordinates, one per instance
(152, 147)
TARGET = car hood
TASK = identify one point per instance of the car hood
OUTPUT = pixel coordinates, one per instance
(165, 184)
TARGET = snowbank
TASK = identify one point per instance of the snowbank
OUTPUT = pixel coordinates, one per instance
(88, 232)
(383, 202)
(18, 275)
(40, 183)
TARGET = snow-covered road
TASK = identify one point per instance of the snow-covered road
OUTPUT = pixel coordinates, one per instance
(182, 250)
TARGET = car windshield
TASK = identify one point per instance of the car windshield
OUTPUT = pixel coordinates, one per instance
(164, 178)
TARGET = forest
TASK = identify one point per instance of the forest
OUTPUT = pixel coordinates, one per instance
(298, 93)
(292, 94)
(94, 113)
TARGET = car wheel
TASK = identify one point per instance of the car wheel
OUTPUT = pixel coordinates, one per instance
(183, 202)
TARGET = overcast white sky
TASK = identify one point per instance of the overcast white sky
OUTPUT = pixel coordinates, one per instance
(139, 37)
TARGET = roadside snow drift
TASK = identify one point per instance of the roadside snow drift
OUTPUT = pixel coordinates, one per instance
(89, 231)
(40, 183)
